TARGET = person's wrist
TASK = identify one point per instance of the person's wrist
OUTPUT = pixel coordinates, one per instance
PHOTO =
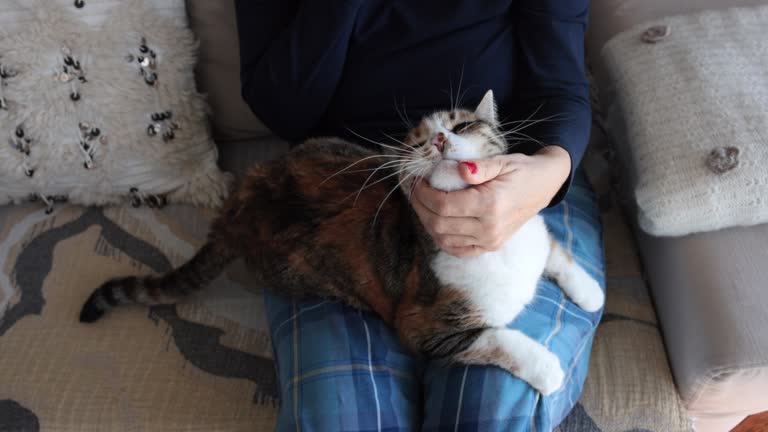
(559, 157)
(556, 168)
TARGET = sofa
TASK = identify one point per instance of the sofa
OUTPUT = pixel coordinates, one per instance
(707, 286)
(206, 364)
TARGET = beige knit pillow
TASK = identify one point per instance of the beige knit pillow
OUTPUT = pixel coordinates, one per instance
(692, 92)
(99, 105)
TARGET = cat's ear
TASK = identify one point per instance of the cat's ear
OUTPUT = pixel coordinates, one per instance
(486, 110)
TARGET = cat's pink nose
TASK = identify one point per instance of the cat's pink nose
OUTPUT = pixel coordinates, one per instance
(439, 141)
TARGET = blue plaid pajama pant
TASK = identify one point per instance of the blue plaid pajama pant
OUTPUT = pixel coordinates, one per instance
(341, 369)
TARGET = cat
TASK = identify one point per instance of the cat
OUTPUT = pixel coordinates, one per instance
(330, 219)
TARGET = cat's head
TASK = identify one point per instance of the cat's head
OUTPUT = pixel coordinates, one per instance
(443, 139)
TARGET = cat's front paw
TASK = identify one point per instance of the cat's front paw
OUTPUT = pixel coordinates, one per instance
(592, 297)
(549, 376)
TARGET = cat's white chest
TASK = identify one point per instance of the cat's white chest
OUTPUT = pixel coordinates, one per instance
(500, 283)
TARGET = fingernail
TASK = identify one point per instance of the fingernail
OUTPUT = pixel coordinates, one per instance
(472, 167)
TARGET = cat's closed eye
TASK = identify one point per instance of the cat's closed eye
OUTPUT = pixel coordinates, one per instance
(463, 126)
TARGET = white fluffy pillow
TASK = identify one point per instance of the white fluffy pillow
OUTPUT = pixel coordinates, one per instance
(83, 119)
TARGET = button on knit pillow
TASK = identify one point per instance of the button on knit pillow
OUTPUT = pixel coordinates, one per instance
(98, 105)
(692, 94)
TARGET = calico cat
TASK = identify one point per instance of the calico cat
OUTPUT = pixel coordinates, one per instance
(332, 220)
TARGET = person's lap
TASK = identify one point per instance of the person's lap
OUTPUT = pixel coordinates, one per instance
(344, 370)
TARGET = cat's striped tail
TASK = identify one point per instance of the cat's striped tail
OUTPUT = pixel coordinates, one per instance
(169, 288)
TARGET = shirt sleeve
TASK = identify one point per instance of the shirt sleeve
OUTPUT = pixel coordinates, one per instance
(292, 55)
(551, 82)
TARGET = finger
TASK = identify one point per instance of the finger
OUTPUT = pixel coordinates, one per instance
(439, 225)
(484, 170)
(495, 236)
(426, 216)
(463, 203)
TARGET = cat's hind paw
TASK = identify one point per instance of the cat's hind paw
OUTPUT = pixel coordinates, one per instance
(592, 297)
(549, 377)
(583, 290)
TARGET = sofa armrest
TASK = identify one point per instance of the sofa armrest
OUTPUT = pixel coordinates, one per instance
(710, 296)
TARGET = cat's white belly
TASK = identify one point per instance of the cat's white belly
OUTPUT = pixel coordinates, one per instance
(500, 284)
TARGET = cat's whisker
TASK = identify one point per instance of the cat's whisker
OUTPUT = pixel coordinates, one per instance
(363, 170)
(520, 139)
(517, 131)
(361, 161)
(455, 103)
(514, 135)
(529, 122)
(389, 165)
(525, 137)
(403, 115)
(405, 111)
(413, 166)
(544, 119)
(503, 121)
(460, 94)
(366, 185)
(397, 186)
(420, 174)
(398, 141)
(517, 142)
(397, 149)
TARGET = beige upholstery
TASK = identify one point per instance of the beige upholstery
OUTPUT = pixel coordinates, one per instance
(711, 299)
(709, 288)
(218, 70)
(237, 156)
(203, 365)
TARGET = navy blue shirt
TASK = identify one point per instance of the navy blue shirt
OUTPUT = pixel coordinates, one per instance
(311, 67)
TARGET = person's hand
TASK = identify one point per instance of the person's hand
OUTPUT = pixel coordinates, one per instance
(505, 192)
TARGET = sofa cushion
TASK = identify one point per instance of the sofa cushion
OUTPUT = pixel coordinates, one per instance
(237, 157)
(83, 88)
(610, 17)
(692, 102)
(204, 364)
(218, 70)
